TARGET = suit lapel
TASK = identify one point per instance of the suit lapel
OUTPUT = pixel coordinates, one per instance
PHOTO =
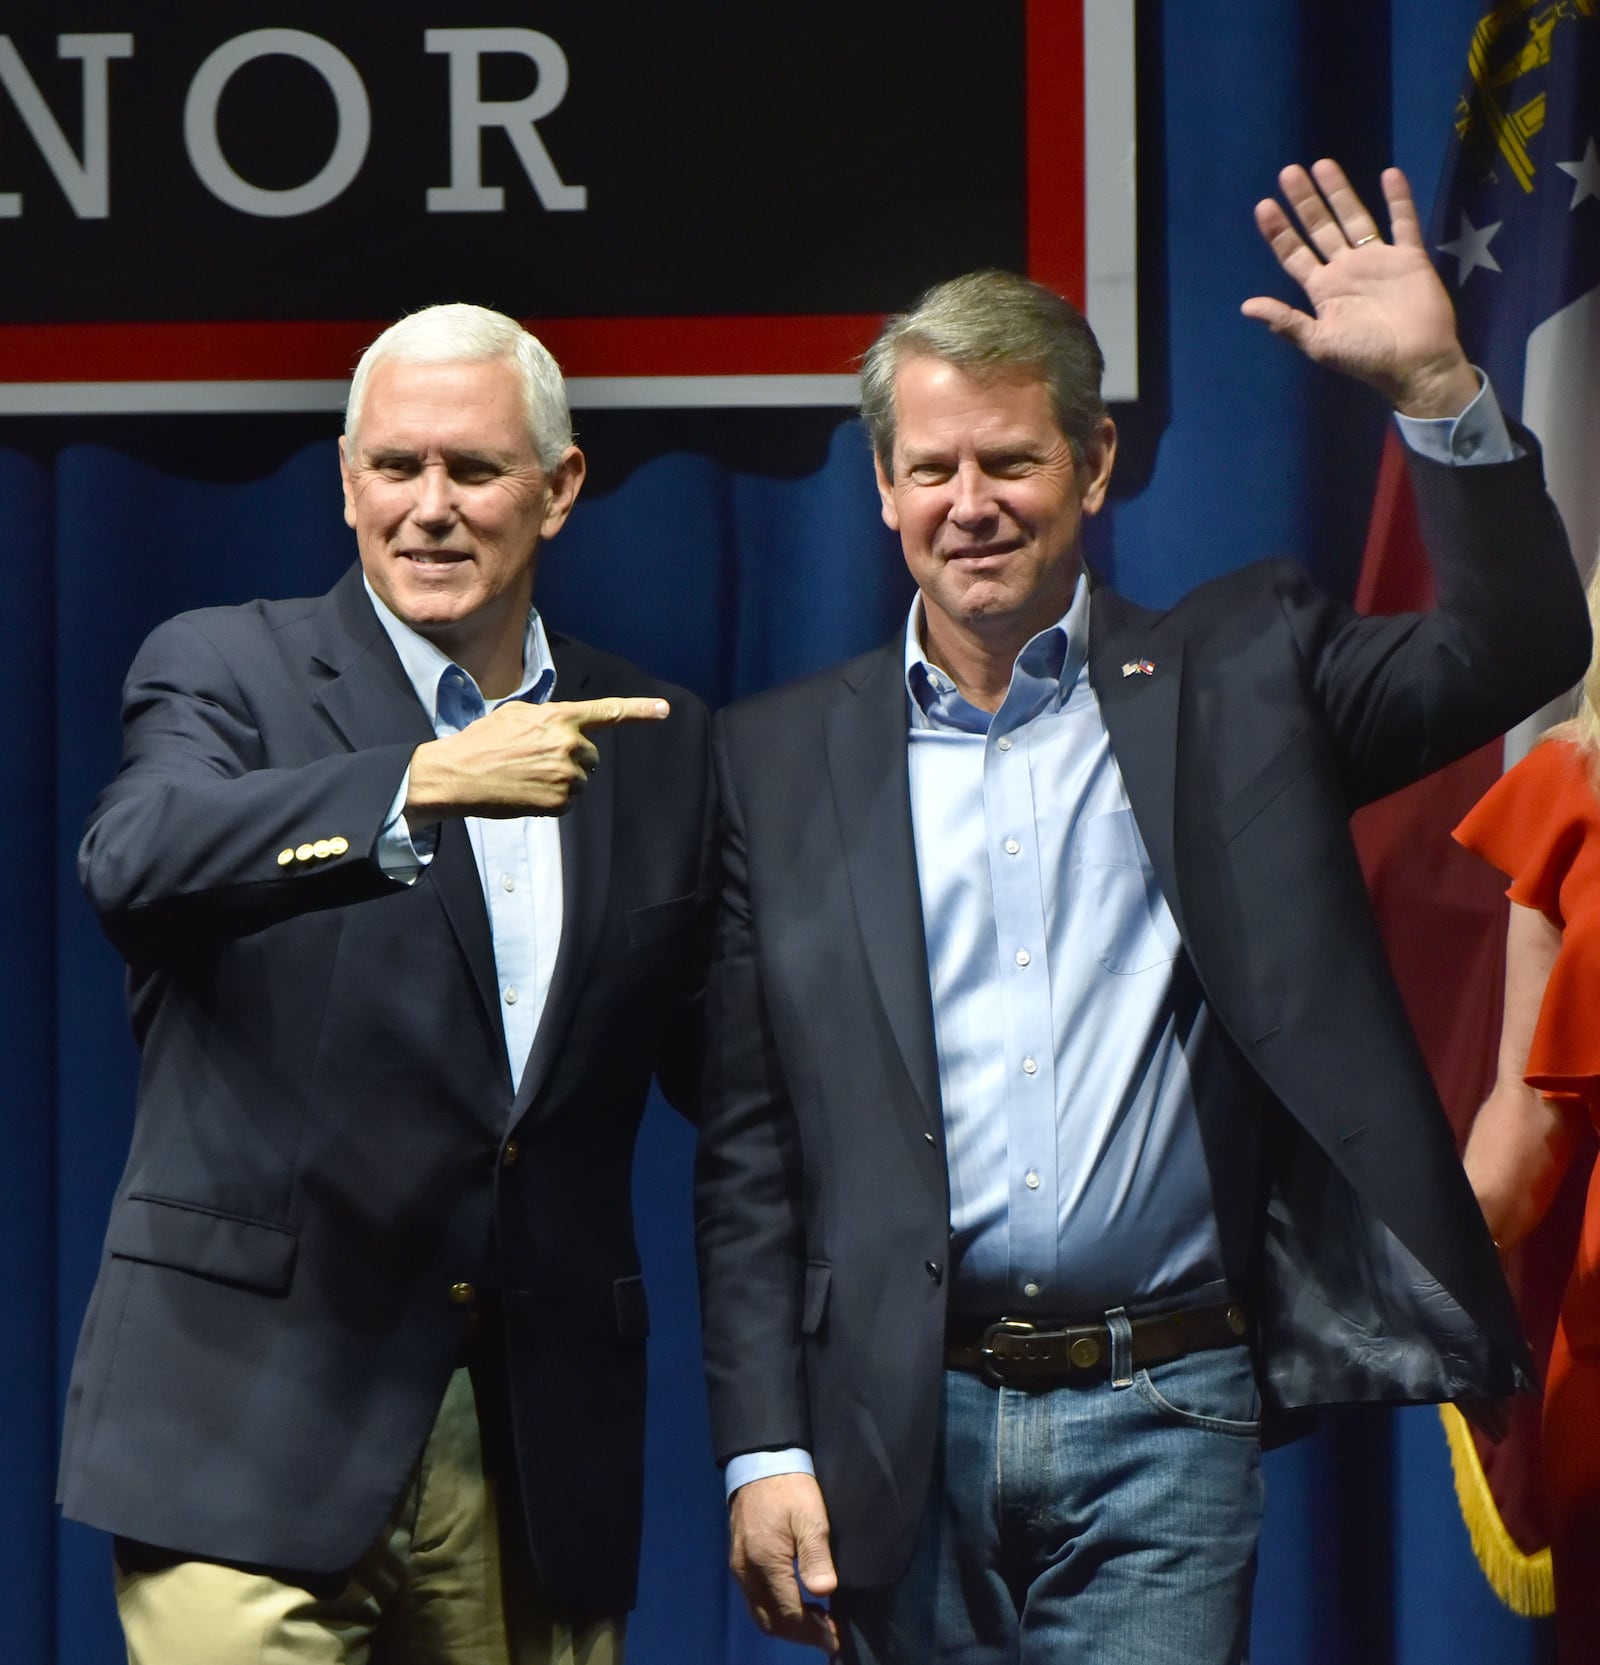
(364, 690)
(586, 832)
(1141, 710)
(866, 749)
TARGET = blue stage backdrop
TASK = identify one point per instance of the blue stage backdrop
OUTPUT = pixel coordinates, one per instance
(729, 551)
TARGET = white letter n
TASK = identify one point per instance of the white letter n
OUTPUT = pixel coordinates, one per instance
(86, 184)
(470, 113)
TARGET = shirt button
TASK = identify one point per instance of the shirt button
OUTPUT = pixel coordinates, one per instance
(511, 995)
(1011, 847)
(1024, 957)
(1004, 742)
(1030, 1289)
(1031, 1180)
(507, 882)
(1029, 1067)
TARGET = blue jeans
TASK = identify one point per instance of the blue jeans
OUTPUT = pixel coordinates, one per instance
(1107, 1523)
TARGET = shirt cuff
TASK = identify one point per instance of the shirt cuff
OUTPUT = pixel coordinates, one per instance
(1478, 435)
(763, 1465)
(401, 856)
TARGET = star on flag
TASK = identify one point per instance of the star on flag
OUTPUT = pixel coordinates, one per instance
(1471, 248)
(1586, 172)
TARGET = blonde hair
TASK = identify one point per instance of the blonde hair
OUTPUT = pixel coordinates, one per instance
(1582, 729)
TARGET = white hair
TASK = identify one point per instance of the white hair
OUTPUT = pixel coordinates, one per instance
(459, 333)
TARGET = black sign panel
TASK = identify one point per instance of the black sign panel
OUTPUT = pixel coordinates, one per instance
(570, 158)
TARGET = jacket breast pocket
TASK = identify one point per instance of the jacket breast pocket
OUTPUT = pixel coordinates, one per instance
(1286, 765)
(161, 1231)
(1132, 924)
(660, 920)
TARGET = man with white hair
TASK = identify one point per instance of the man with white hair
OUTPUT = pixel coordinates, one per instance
(363, 1373)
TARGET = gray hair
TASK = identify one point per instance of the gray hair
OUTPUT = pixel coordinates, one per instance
(458, 333)
(991, 322)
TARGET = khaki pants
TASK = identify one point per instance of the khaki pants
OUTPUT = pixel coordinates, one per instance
(448, 1582)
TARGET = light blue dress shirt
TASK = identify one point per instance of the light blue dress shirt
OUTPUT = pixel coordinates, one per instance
(1073, 1044)
(519, 858)
(1069, 1047)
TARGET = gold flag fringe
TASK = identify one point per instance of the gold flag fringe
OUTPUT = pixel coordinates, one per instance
(1523, 1582)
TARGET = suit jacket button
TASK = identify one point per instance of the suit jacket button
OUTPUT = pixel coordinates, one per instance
(462, 1294)
(934, 1270)
(510, 1153)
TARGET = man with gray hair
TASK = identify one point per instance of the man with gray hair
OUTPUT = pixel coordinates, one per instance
(1062, 1120)
(363, 1373)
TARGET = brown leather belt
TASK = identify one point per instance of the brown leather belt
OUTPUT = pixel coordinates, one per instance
(1048, 1352)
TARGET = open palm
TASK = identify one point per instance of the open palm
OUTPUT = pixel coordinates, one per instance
(1379, 311)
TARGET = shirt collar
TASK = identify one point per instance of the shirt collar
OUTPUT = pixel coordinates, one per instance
(1044, 674)
(426, 664)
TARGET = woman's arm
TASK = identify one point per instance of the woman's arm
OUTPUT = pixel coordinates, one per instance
(1521, 1141)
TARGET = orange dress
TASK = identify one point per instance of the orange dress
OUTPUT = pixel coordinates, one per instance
(1540, 825)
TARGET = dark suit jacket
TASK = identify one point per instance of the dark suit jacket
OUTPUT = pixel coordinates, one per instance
(324, 1137)
(1271, 713)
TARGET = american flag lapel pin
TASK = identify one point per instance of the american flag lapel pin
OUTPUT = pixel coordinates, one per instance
(1139, 667)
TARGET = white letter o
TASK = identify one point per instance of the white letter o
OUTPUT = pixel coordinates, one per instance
(200, 122)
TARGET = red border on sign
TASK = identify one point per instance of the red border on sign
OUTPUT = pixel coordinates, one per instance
(776, 345)
(1053, 43)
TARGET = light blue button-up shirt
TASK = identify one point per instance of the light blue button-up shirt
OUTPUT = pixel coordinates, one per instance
(1073, 1043)
(1069, 1047)
(519, 858)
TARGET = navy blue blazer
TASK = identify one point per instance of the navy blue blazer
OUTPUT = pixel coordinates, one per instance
(327, 1135)
(1272, 712)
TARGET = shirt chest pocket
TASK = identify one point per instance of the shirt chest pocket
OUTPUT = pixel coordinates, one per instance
(1123, 911)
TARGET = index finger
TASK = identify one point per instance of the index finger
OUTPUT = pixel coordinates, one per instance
(606, 713)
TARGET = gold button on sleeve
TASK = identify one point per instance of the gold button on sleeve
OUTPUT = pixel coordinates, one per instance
(338, 846)
(285, 857)
(322, 849)
(304, 852)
